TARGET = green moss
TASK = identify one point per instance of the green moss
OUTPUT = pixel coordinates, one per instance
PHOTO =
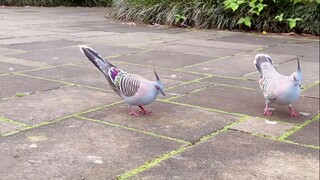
(20, 94)
(133, 129)
(204, 108)
(297, 128)
(150, 164)
(13, 122)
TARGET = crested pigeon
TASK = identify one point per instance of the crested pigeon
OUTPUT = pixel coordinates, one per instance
(133, 89)
(277, 88)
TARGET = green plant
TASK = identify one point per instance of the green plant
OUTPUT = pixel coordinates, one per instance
(260, 15)
(293, 22)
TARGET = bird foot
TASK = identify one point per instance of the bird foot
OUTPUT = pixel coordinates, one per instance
(294, 114)
(267, 112)
(133, 112)
(144, 111)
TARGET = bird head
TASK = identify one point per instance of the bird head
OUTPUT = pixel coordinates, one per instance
(158, 85)
(297, 76)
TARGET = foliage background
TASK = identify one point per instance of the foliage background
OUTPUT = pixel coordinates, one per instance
(214, 14)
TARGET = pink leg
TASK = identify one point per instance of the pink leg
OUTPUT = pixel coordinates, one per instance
(144, 111)
(292, 113)
(133, 112)
(266, 110)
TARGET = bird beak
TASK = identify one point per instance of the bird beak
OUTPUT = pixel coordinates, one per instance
(163, 93)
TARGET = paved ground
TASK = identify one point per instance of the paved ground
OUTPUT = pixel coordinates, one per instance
(59, 119)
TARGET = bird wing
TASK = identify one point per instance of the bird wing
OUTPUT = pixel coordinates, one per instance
(125, 83)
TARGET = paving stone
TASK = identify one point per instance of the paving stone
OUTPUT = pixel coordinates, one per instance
(235, 66)
(13, 84)
(7, 127)
(250, 102)
(233, 82)
(264, 127)
(310, 71)
(309, 42)
(77, 149)
(160, 58)
(72, 54)
(130, 39)
(23, 62)
(74, 74)
(219, 44)
(169, 77)
(235, 155)
(295, 50)
(30, 32)
(308, 135)
(167, 119)
(254, 39)
(312, 92)
(184, 89)
(25, 40)
(48, 105)
(6, 51)
(43, 45)
(207, 51)
(10, 68)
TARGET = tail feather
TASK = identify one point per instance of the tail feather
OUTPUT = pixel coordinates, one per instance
(96, 59)
(262, 58)
(101, 64)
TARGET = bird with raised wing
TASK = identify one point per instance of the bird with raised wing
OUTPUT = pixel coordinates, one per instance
(133, 89)
(278, 88)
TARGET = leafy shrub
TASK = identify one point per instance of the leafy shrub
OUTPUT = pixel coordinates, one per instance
(88, 3)
(301, 16)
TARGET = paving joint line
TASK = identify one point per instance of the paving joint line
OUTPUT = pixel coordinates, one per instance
(36, 126)
(203, 108)
(133, 129)
(159, 159)
(59, 119)
(276, 139)
(297, 128)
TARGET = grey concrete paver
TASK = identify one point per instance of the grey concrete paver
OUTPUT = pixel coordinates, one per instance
(253, 39)
(308, 135)
(263, 127)
(77, 149)
(42, 45)
(212, 99)
(175, 121)
(167, 59)
(73, 74)
(10, 68)
(49, 105)
(69, 55)
(190, 49)
(7, 127)
(235, 66)
(312, 91)
(13, 85)
(293, 49)
(249, 102)
(235, 155)
(233, 82)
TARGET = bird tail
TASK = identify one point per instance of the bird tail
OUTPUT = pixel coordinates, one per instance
(96, 59)
(260, 59)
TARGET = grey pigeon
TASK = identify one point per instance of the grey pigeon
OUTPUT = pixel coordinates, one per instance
(133, 89)
(277, 88)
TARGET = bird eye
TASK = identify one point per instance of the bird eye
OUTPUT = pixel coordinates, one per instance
(157, 87)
